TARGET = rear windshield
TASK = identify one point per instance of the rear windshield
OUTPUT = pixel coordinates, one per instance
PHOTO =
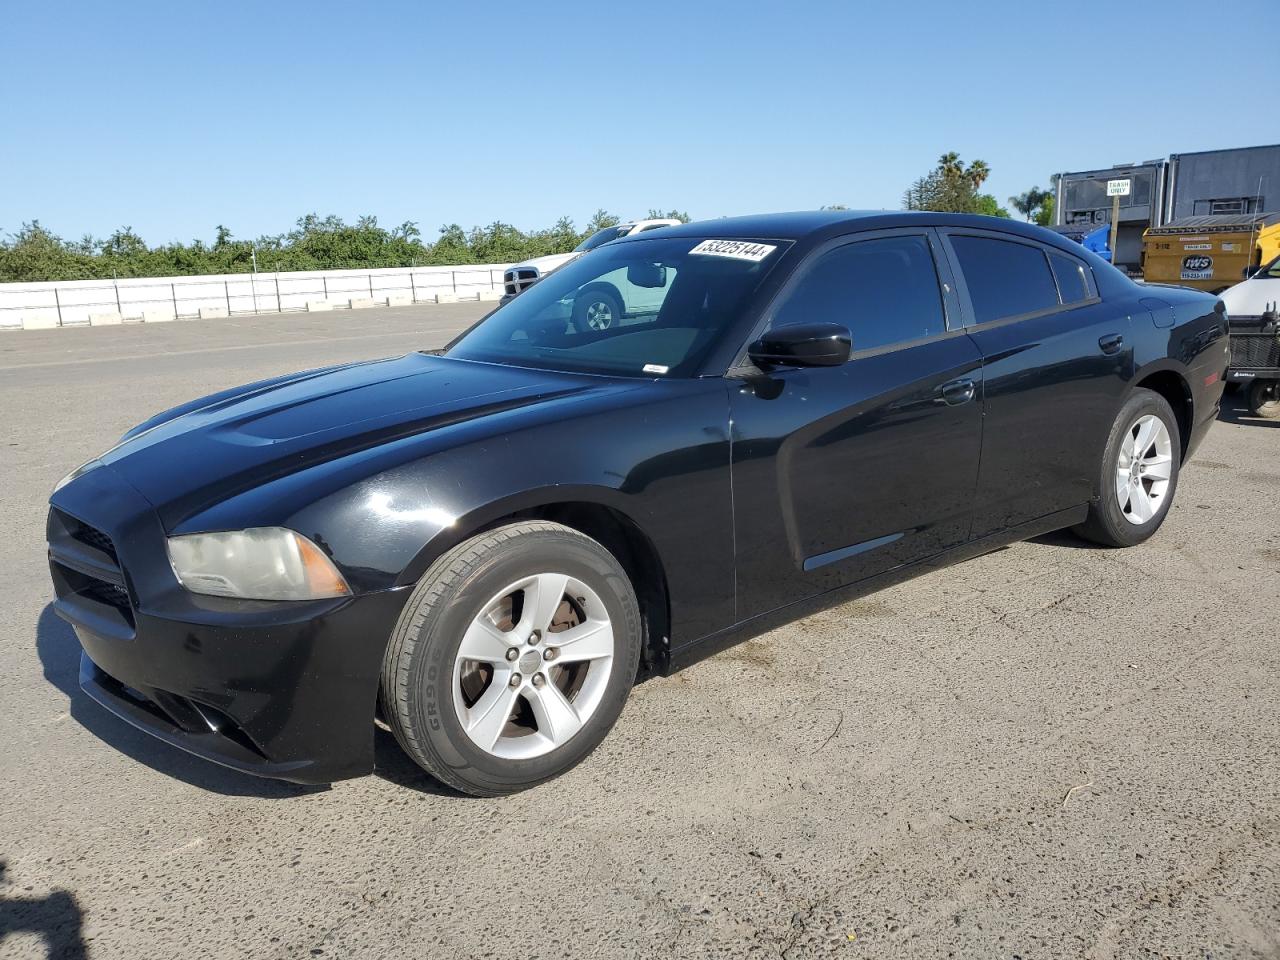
(642, 308)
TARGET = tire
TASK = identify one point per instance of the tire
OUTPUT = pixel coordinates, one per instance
(596, 309)
(432, 694)
(1133, 498)
(1264, 399)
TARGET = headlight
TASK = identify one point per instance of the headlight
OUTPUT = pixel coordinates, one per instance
(265, 563)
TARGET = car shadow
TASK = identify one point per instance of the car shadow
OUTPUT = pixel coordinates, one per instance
(59, 653)
(56, 919)
(1065, 538)
(1235, 410)
(392, 764)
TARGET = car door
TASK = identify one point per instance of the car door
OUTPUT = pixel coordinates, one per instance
(1057, 362)
(840, 473)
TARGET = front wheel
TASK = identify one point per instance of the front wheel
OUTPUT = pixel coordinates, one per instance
(1264, 399)
(512, 659)
(1139, 473)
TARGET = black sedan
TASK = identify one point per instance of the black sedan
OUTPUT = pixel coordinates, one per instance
(483, 549)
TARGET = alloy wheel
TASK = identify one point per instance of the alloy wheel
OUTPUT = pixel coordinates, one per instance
(1143, 469)
(533, 666)
(599, 315)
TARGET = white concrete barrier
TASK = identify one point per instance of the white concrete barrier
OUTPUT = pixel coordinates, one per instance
(40, 320)
(110, 319)
(362, 303)
(157, 316)
(316, 305)
(493, 295)
(72, 302)
(399, 300)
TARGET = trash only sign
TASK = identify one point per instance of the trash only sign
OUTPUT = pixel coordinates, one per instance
(1197, 267)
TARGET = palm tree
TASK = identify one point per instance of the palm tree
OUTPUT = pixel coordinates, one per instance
(1031, 201)
(978, 172)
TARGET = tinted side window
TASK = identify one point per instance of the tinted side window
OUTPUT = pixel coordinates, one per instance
(1073, 282)
(1005, 279)
(885, 291)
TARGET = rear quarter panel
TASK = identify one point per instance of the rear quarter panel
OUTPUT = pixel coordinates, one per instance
(1191, 340)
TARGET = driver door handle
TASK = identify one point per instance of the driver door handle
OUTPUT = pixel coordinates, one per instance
(957, 392)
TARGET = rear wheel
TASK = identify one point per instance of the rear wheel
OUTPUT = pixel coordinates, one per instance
(1264, 399)
(1139, 473)
(512, 659)
(596, 309)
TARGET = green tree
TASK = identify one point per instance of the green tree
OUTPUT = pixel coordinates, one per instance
(1029, 202)
(33, 253)
(314, 243)
(1044, 216)
(952, 187)
(986, 204)
(600, 219)
(655, 214)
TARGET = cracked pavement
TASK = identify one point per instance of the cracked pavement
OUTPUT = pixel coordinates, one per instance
(1050, 751)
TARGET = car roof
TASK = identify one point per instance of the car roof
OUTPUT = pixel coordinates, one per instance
(818, 224)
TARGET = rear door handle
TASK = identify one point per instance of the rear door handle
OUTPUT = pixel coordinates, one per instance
(957, 392)
(1111, 343)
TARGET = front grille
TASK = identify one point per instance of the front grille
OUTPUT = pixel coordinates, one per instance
(95, 538)
(85, 565)
(1252, 351)
(109, 594)
(519, 278)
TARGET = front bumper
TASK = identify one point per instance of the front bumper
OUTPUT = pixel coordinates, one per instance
(277, 689)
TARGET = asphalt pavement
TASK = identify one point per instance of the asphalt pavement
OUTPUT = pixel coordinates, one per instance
(1050, 751)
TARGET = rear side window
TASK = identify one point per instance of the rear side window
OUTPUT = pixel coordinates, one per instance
(885, 291)
(1073, 282)
(1005, 279)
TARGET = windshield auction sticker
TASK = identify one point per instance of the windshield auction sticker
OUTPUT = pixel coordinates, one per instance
(734, 249)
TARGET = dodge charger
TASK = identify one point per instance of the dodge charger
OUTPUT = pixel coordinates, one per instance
(483, 548)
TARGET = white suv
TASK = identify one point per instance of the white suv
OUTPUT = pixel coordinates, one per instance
(523, 275)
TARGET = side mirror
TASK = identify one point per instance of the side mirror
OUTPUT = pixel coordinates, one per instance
(649, 275)
(803, 345)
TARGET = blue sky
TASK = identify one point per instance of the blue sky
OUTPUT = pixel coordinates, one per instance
(174, 117)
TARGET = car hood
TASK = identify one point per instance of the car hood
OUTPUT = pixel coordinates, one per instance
(1251, 298)
(213, 448)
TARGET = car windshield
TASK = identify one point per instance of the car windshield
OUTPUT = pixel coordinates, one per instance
(640, 308)
(1272, 272)
(601, 237)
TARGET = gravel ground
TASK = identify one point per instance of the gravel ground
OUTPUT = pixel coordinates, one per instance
(1051, 751)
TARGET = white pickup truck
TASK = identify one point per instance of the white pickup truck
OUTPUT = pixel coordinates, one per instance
(607, 309)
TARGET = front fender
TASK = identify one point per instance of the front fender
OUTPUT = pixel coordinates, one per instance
(662, 466)
(482, 515)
